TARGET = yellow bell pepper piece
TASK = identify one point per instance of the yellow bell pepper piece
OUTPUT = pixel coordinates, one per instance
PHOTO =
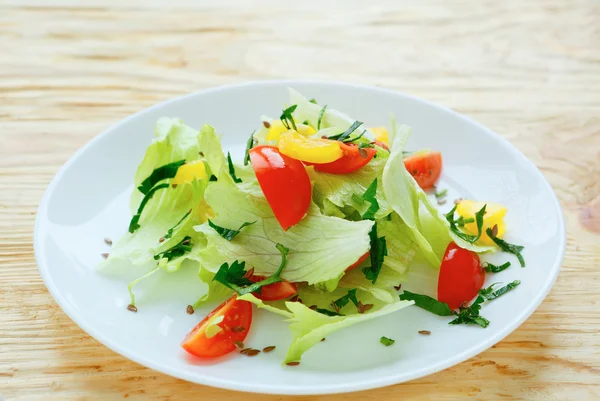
(494, 215)
(190, 172)
(277, 128)
(313, 150)
(381, 134)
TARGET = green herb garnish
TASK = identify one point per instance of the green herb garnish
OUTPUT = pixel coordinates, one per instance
(356, 138)
(490, 268)
(506, 247)
(169, 233)
(288, 119)
(321, 114)
(182, 247)
(161, 173)
(327, 312)
(441, 194)
(370, 196)
(378, 253)
(227, 233)
(213, 178)
(470, 314)
(489, 293)
(364, 145)
(455, 223)
(134, 223)
(343, 301)
(313, 101)
(386, 341)
(429, 304)
(232, 169)
(234, 276)
(341, 137)
(249, 145)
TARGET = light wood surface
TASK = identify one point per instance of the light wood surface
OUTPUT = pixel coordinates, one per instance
(528, 69)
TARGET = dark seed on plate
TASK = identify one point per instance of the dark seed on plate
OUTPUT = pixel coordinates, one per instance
(441, 201)
(269, 348)
(294, 298)
(239, 344)
(267, 124)
(253, 352)
(397, 287)
(238, 329)
(201, 154)
(108, 241)
(161, 239)
(105, 255)
(323, 339)
(190, 310)
(173, 185)
(293, 363)
(132, 308)
(363, 308)
(425, 332)
(495, 230)
(457, 201)
(245, 350)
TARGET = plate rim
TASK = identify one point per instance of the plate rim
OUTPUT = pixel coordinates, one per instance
(367, 384)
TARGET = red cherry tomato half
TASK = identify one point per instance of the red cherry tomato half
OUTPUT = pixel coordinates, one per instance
(285, 183)
(275, 291)
(461, 276)
(237, 318)
(359, 261)
(425, 167)
(352, 159)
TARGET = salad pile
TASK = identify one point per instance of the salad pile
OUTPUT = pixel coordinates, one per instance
(319, 223)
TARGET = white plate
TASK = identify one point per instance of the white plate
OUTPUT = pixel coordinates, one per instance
(87, 201)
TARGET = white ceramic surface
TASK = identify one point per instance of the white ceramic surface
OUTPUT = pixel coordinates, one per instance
(87, 201)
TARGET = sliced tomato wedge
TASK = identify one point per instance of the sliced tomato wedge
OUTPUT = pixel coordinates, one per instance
(461, 276)
(285, 183)
(425, 167)
(217, 333)
(353, 159)
(275, 291)
(359, 261)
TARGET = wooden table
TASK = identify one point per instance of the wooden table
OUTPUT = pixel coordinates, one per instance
(528, 69)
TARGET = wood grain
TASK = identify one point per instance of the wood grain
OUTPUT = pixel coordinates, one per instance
(528, 69)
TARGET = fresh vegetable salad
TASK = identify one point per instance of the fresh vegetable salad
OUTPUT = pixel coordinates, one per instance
(319, 223)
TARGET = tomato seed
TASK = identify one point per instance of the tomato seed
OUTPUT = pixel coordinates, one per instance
(245, 350)
(132, 308)
(495, 230)
(239, 344)
(105, 255)
(397, 287)
(186, 242)
(173, 185)
(161, 240)
(238, 329)
(323, 339)
(190, 310)
(457, 201)
(269, 348)
(108, 241)
(253, 352)
(293, 363)
(425, 332)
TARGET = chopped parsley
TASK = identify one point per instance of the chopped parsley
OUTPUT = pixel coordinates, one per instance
(134, 223)
(343, 301)
(326, 312)
(506, 247)
(426, 302)
(356, 138)
(249, 145)
(234, 276)
(455, 223)
(489, 293)
(490, 268)
(288, 119)
(169, 233)
(232, 169)
(370, 196)
(470, 314)
(386, 341)
(341, 137)
(313, 100)
(321, 115)
(227, 233)
(441, 194)
(160, 173)
(378, 253)
(182, 247)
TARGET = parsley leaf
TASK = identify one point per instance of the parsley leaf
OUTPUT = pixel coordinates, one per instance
(181, 248)
(506, 247)
(348, 132)
(249, 145)
(233, 276)
(313, 100)
(343, 301)
(467, 237)
(386, 341)
(490, 268)
(441, 194)
(378, 252)
(370, 196)
(321, 115)
(169, 233)
(327, 312)
(489, 294)
(429, 304)
(470, 315)
(134, 223)
(288, 119)
(160, 173)
(227, 233)
(232, 169)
